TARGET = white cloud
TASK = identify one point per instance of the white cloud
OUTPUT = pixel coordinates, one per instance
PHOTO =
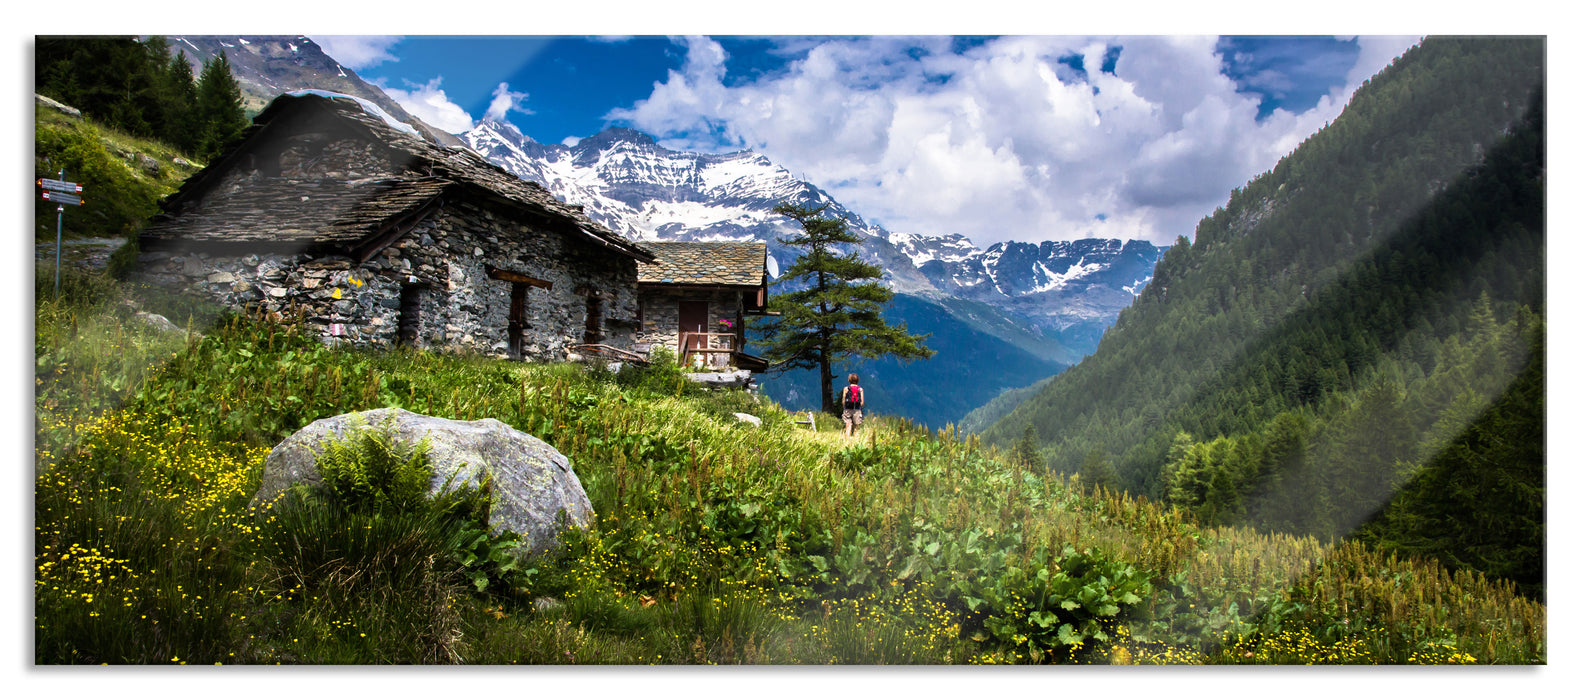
(1376, 53)
(506, 101)
(358, 52)
(429, 103)
(1001, 142)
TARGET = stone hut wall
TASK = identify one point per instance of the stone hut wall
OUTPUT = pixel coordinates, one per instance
(471, 238)
(441, 268)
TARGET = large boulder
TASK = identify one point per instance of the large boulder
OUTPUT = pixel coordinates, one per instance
(533, 483)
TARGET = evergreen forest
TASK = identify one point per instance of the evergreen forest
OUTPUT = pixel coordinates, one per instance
(1354, 344)
(138, 87)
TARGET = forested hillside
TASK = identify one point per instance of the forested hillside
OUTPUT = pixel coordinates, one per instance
(140, 88)
(1347, 323)
(140, 124)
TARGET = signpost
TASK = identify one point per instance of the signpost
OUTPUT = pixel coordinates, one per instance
(61, 193)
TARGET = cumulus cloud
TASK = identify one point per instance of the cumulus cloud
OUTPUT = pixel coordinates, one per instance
(429, 103)
(1002, 141)
(1376, 52)
(506, 101)
(358, 52)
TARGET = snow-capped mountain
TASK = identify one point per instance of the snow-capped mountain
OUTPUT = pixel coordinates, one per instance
(1068, 291)
(626, 181)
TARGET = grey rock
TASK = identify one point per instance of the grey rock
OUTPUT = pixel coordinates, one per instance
(158, 322)
(533, 484)
(148, 164)
(42, 101)
(722, 380)
(750, 418)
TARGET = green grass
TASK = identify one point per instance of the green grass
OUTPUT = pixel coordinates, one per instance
(715, 542)
(118, 194)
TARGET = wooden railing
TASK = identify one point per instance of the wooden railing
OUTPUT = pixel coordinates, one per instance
(716, 348)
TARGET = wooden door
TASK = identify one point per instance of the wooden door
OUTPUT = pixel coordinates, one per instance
(408, 322)
(516, 320)
(593, 330)
(694, 319)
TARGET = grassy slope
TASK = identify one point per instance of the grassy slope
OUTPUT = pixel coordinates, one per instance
(118, 193)
(715, 542)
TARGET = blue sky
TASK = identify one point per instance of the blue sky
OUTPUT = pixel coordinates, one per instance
(995, 137)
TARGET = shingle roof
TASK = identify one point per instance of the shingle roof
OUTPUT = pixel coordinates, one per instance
(343, 212)
(281, 210)
(705, 262)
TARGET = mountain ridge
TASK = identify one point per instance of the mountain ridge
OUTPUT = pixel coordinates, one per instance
(267, 66)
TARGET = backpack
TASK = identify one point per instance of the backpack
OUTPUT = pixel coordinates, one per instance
(852, 399)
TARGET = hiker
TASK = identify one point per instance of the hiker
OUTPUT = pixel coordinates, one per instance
(852, 403)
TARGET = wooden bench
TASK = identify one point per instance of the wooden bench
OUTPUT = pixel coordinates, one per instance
(809, 422)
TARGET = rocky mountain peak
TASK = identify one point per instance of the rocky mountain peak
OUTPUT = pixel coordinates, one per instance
(502, 127)
(617, 134)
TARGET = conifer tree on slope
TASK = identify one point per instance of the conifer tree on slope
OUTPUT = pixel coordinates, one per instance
(837, 316)
(219, 106)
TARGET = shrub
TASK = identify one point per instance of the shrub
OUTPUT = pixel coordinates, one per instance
(660, 377)
(370, 472)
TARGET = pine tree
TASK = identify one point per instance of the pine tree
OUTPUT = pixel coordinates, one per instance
(219, 106)
(837, 314)
(1026, 452)
(181, 103)
(1097, 472)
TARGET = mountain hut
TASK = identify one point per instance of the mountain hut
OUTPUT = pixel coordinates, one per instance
(695, 297)
(328, 208)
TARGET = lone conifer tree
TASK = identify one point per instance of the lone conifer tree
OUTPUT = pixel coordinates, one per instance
(835, 311)
(219, 106)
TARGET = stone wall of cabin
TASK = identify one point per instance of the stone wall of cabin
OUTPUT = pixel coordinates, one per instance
(662, 316)
(444, 262)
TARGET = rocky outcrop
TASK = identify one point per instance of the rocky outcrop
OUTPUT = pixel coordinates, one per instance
(42, 101)
(534, 489)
